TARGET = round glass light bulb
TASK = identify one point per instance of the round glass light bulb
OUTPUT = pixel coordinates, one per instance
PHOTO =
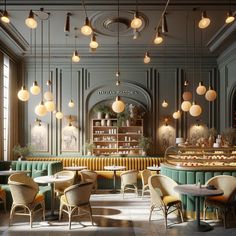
(23, 94)
(86, 30)
(195, 110)
(165, 104)
(176, 115)
(93, 44)
(158, 40)
(229, 19)
(75, 57)
(136, 22)
(48, 96)
(71, 104)
(185, 106)
(210, 95)
(50, 106)
(204, 22)
(31, 23)
(118, 106)
(201, 89)
(35, 89)
(146, 59)
(59, 115)
(40, 109)
(5, 17)
(187, 96)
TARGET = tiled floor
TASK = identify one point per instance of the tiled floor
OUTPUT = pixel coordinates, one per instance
(113, 216)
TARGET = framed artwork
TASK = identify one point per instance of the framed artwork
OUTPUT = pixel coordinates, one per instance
(69, 136)
(39, 137)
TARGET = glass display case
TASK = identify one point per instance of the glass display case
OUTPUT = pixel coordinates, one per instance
(200, 157)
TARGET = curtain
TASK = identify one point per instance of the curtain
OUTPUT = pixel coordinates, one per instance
(1, 107)
(13, 110)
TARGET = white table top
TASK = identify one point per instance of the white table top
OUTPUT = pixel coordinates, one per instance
(194, 190)
(10, 172)
(156, 168)
(114, 167)
(51, 179)
(74, 168)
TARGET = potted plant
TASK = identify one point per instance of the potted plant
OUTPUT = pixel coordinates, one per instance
(101, 110)
(22, 152)
(145, 144)
(88, 148)
(123, 118)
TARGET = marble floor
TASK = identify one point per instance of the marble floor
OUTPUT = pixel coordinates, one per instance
(113, 216)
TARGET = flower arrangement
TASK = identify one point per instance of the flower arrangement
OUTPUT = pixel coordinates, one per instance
(22, 151)
(145, 143)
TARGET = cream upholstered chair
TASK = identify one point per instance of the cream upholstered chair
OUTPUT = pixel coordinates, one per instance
(59, 187)
(224, 202)
(145, 174)
(163, 197)
(88, 176)
(25, 194)
(76, 200)
(3, 198)
(129, 181)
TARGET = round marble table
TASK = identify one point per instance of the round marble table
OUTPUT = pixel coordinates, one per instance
(197, 191)
(154, 168)
(76, 169)
(10, 172)
(114, 169)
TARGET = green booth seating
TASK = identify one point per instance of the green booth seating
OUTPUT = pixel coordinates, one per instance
(36, 168)
(192, 176)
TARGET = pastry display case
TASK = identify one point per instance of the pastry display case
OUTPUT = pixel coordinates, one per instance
(200, 157)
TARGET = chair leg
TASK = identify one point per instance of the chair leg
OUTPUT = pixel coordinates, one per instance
(225, 212)
(165, 216)
(151, 210)
(11, 214)
(43, 208)
(180, 211)
(60, 211)
(31, 219)
(142, 192)
(204, 210)
(69, 220)
(90, 214)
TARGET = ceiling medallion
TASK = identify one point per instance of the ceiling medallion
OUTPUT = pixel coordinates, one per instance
(105, 23)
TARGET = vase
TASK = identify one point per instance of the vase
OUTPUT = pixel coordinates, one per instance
(109, 123)
(103, 122)
(99, 115)
(127, 123)
(107, 116)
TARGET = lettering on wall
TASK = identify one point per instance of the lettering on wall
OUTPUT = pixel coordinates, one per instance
(117, 92)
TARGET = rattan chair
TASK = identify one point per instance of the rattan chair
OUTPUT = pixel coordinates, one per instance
(59, 187)
(88, 176)
(163, 197)
(3, 198)
(25, 196)
(224, 202)
(129, 181)
(75, 201)
(145, 174)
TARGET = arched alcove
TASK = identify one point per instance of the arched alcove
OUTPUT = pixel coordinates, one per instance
(232, 107)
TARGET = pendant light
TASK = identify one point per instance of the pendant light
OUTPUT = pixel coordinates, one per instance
(118, 105)
(185, 106)
(93, 43)
(5, 16)
(195, 110)
(75, 56)
(158, 38)
(164, 27)
(230, 17)
(71, 103)
(67, 24)
(35, 89)
(205, 21)
(86, 28)
(136, 21)
(146, 58)
(40, 109)
(210, 94)
(59, 115)
(30, 21)
(164, 104)
(177, 114)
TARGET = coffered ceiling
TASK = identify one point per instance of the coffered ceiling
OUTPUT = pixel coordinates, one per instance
(181, 17)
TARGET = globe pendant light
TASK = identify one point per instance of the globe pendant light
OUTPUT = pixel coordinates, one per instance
(5, 16)
(93, 43)
(146, 58)
(210, 94)
(35, 89)
(40, 109)
(59, 115)
(164, 104)
(201, 89)
(177, 114)
(118, 106)
(86, 28)
(30, 21)
(230, 17)
(23, 94)
(71, 103)
(187, 96)
(195, 110)
(75, 56)
(136, 21)
(158, 39)
(185, 106)
(204, 22)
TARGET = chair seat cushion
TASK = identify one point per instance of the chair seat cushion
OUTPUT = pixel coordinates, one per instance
(39, 198)
(64, 200)
(216, 200)
(170, 200)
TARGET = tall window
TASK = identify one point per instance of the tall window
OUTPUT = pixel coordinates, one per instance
(5, 105)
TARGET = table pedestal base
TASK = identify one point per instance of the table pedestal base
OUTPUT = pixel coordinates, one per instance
(51, 217)
(202, 227)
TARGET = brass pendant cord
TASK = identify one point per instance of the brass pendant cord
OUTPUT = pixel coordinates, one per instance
(49, 56)
(85, 12)
(35, 64)
(194, 55)
(42, 59)
(118, 38)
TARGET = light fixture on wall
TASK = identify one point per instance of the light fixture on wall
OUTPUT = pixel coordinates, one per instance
(75, 56)
(67, 24)
(158, 38)
(93, 43)
(136, 21)
(30, 21)
(146, 58)
(5, 16)
(205, 21)
(86, 29)
(40, 109)
(164, 104)
(35, 89)
(71, 103)
(118, 105)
